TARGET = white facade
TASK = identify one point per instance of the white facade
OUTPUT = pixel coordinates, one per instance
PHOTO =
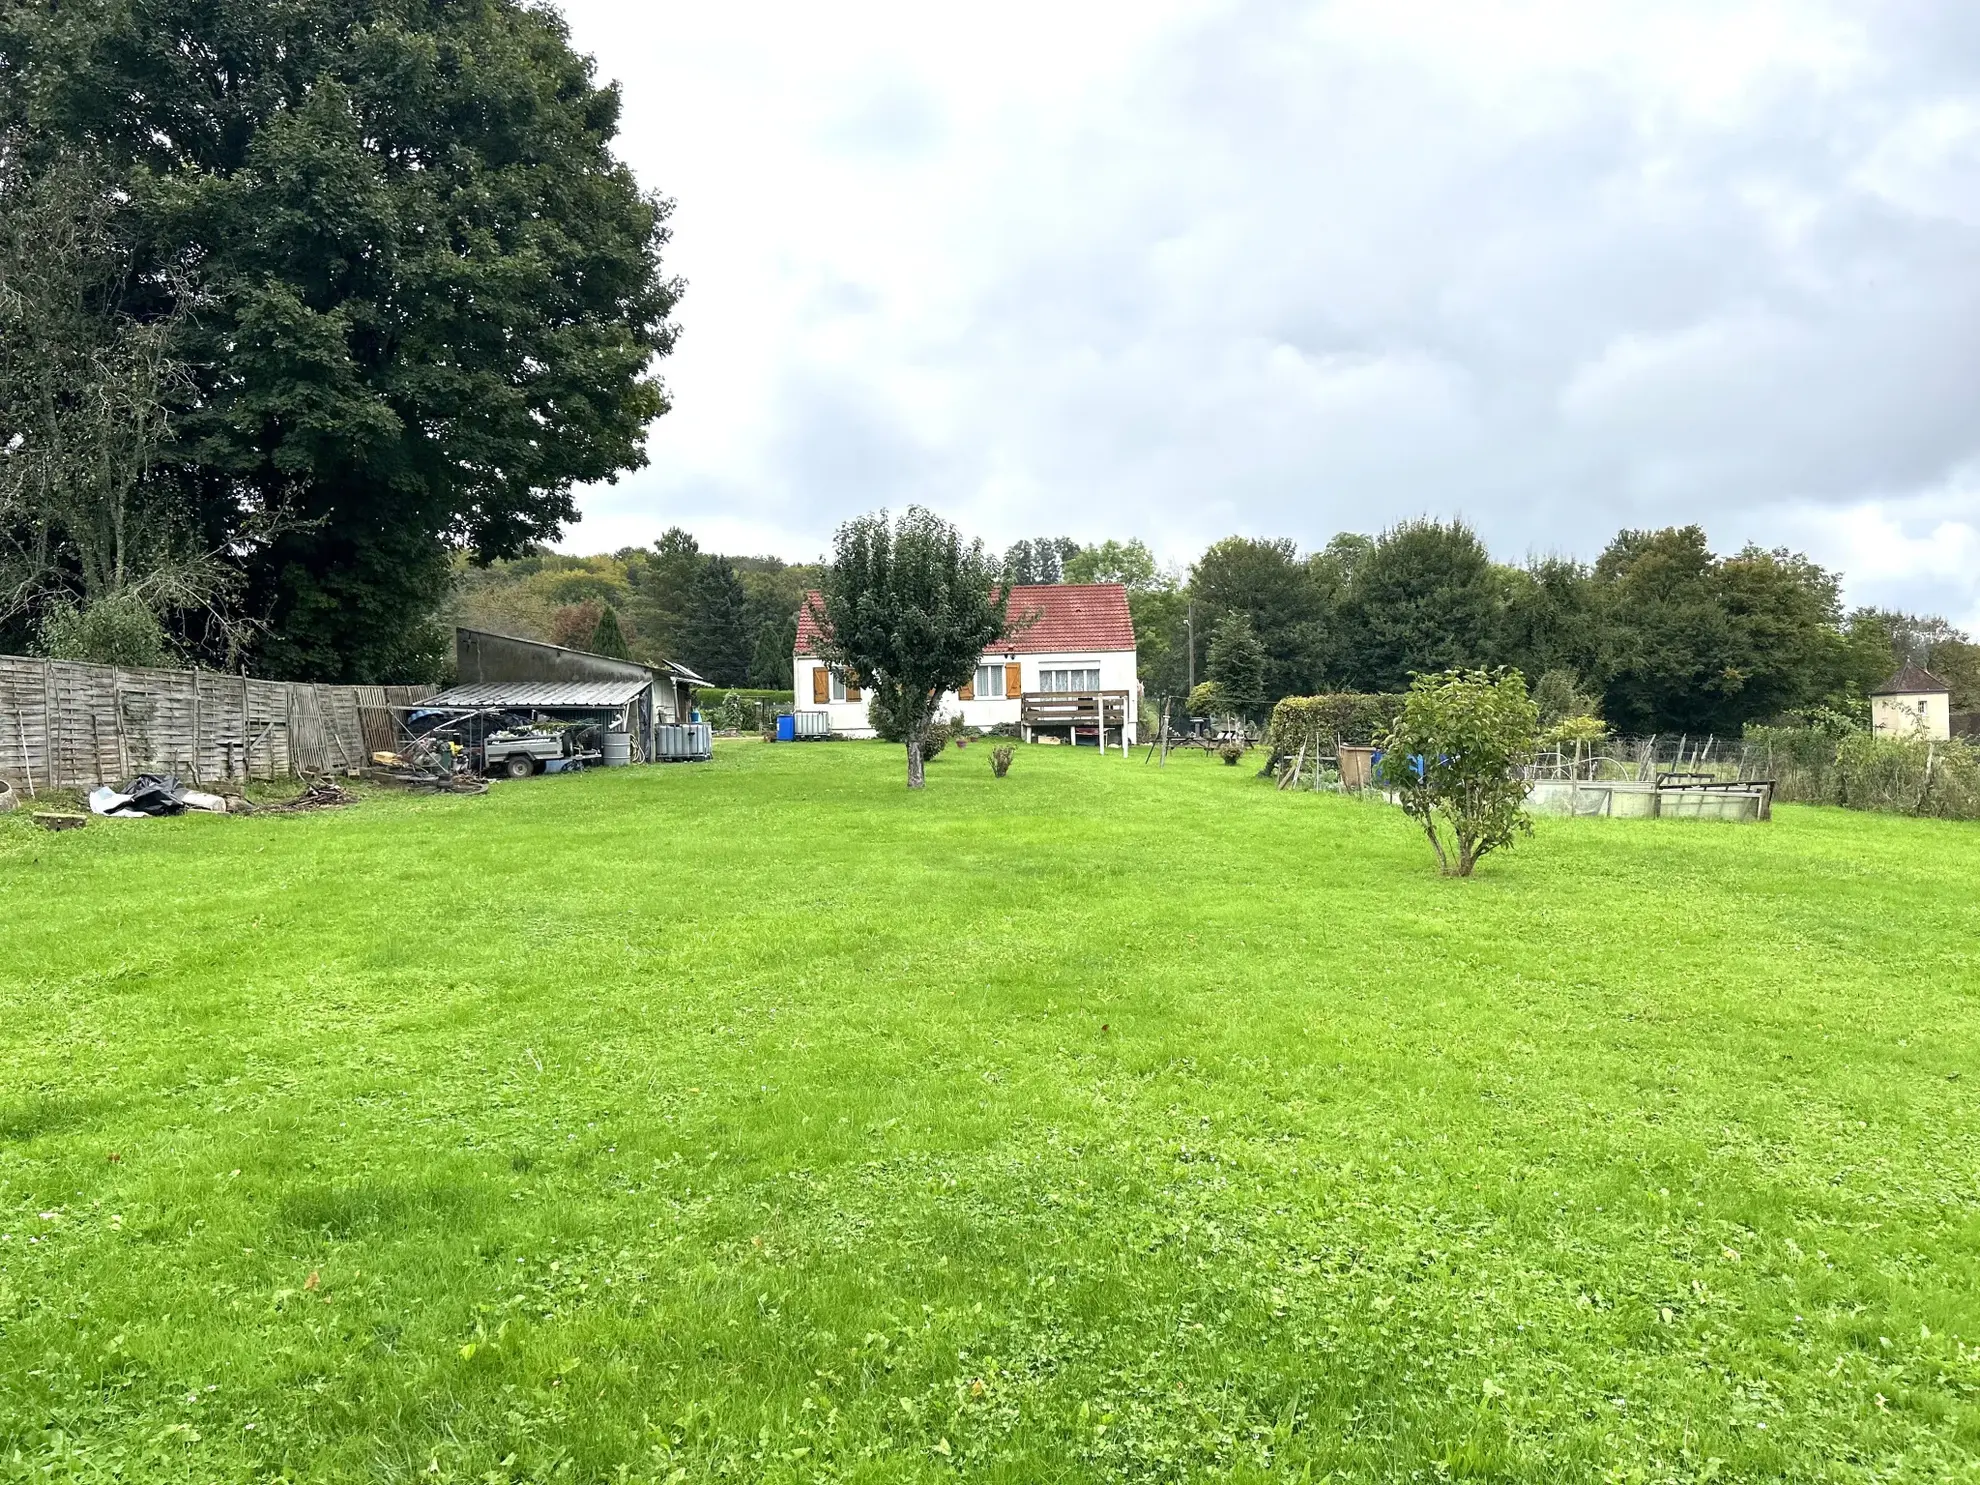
(1920, 714)
(1070, 670)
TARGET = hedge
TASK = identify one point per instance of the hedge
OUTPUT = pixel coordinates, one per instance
(711, 697)
(1357, 718)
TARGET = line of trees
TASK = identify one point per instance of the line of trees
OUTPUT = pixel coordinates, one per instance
(1659, 633)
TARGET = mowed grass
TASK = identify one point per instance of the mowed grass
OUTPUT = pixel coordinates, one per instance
(761, 1121)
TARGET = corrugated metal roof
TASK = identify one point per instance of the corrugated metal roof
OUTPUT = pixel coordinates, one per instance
(541, 693)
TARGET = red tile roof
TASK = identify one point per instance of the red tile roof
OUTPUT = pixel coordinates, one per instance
(1076, 617)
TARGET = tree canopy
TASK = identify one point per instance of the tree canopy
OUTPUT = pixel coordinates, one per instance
(430, 296)
(907, 609)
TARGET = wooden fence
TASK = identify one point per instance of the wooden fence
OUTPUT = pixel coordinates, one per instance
(64, 724)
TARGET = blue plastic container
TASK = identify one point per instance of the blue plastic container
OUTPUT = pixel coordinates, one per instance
(787, 729)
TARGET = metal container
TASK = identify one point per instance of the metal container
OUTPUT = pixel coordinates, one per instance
(618, 748)
(811, 724)
(684, 742)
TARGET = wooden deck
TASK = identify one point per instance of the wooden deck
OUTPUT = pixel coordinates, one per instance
(1080, 714)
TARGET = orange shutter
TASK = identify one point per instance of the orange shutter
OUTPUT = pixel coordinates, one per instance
(821, 686)
(852, 691)
(1013, 679)
(968, 691)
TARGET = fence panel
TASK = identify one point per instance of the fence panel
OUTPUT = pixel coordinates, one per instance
(66, 724)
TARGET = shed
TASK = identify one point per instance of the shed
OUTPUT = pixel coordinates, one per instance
(483, 658)
(1912, 703)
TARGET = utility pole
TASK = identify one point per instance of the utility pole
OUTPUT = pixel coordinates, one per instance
(1189, 627)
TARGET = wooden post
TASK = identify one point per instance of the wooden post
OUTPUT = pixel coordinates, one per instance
(195, 742)
(27, 765)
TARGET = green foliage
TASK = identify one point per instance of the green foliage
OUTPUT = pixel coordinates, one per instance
(1316, 723)
(1237, 666)
(1039, 561)
(1207, 700)
(1267, 583)
(1567, 731)
(86, 394)
(1836, 762)
(1454, 758)
(715, 639)
(1000, 760)
(431, 296)
(907, 609)
(607, 638)
(1128, 563)
(119, 629)
(1423, 598)
(1557, 695)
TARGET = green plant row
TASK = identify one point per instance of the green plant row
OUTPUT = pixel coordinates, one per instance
(1357, 718)
(1902, 776)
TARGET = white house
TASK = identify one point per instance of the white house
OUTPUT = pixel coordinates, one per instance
(1912, 703)
(1068, 663)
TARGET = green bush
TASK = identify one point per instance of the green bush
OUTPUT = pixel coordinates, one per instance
(118, 630)
(1841, 764)
(1357, 718)
(711, 699)
(1906, 776)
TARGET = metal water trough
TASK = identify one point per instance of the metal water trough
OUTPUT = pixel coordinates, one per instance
(1745, 800)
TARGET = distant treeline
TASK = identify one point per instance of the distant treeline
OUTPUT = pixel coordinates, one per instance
(1658, 634)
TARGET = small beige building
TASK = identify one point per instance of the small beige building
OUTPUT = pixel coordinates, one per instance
(1912, 703)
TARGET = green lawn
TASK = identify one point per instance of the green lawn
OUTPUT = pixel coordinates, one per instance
(761, 1121)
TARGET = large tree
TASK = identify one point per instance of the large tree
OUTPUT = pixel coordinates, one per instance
(1704, 645)
(716, 640)
(906, 610)
(1268, 583)
(1423, 599)
(431, 295)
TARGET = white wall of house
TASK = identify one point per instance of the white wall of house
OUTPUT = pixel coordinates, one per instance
(1921, 714)
(1116, 670)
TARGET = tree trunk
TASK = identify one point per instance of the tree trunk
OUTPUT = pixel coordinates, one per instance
(915, 765)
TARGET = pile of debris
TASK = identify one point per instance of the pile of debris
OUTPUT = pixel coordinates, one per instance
(317, 794)
(429, 765)
(152, 795)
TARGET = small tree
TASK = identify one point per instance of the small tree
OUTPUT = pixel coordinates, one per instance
(608, 638)
(1207, 700)
(906, 610)
(1237, 665)
(1454, 757)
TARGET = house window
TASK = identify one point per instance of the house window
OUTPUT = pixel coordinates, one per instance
(989, 682)
(1069, 680)
(838, 687)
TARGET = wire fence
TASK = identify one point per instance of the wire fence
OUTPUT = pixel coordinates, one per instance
(1909, 776)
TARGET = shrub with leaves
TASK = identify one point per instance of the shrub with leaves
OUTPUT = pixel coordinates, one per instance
(1356, 718)
(1454, 758)
(118, 629)
(1000, 760)
(1207, 700)
(1231, 752)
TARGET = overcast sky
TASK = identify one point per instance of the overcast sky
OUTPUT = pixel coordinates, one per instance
(1175, 270)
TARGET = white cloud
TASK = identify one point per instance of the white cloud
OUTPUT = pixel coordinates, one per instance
(1185, 268)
